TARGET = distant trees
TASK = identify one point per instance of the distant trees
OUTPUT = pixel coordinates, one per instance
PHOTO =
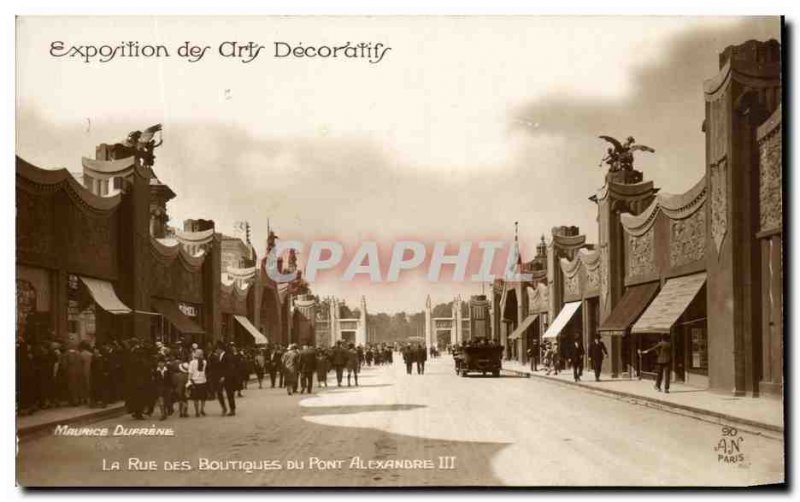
(385, 328)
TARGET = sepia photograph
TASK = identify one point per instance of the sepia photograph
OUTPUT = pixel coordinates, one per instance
(381, 252)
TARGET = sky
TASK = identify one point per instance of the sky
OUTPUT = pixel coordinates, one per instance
(467, 125)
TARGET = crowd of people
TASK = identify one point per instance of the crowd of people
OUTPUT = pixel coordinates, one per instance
(156, 379)
(555, 360)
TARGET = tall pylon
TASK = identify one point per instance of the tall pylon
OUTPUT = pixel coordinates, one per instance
(429, 338)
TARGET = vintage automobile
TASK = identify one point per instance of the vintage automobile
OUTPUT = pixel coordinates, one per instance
(478, 359)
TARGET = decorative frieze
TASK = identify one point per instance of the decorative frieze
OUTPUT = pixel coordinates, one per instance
(687, 239)
(719, 201)
(642, 258)
(770, 177)
(593, 279)
(571, 285)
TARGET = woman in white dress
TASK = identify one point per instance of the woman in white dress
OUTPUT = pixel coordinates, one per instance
(197, 382)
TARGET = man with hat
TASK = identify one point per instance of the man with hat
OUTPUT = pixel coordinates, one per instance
(226, 374)
(291, 365)
(339, 360)
(308, 363)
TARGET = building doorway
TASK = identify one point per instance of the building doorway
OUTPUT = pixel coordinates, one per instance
(348, 337)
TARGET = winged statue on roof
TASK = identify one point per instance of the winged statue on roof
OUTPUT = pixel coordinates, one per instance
(140, 144)
(620, 156)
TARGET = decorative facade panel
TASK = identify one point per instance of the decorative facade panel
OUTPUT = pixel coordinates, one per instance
(593, 279)
(571, 285)
(642, 256)
(92, 232)
(771, 203)
(35, 229)
(688, 239)
(719, 201)
(603, 270)
(173, 280)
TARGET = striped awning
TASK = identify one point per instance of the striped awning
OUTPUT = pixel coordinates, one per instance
(561, 320)
(104, 295)
(248, 326)
(629, 308)
(673, 299)
(522, 327)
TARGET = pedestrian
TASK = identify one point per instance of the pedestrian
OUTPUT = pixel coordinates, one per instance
(26, 378)
(198, 382)
(72, 369)
(116, 371)
(597, 351)
(534, 353)
(99, 378)
(226, 375)
(577, 359)
(353, 364)
(259, 365)
(163, 386)
(276, 366)
(138, 379)
(663, 363)
(242, 372)
(323, 367)
(180, 391)
(421, 357)
(42, 374)
(212, 373)
(291, 363)
(408, 358)
(308, 364)
(339, 360)
(86, 369)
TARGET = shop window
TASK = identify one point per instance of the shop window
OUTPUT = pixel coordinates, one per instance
(698, 350)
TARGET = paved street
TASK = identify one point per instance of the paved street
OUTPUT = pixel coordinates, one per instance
(501, 431)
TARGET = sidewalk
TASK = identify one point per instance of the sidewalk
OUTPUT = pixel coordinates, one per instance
(765, 413)
(49, 418)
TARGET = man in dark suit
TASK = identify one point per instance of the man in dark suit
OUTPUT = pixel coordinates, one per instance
(308, 363)
(597, 351)
(663, 363)
(421, 357)
(408, 358)
(276, 366)
(533, 354)
(339, 361)
(226, 372)
(577, 359)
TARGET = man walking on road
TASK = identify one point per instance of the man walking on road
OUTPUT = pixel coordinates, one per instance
(408, 358)
(353, 364)
(577, 359)
(663, 363)
(308, 363)
(226, 372)
(533, 354)
(339, 360)
(422, 356)
(276, 366)
(597, 351)
(291, 365)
